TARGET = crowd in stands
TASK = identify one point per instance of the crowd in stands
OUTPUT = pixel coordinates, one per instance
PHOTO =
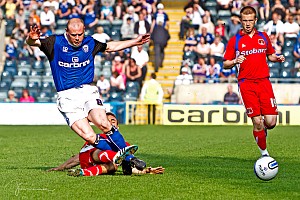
(208, 25)
(119, 76)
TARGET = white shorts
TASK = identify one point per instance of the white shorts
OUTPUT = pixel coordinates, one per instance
(75, 103)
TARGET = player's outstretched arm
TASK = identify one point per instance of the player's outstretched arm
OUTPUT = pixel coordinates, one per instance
(119, 45)
(33, 38)
(71, 162)
(149, 170)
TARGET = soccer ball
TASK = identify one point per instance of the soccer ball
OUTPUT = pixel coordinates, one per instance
(266, 168)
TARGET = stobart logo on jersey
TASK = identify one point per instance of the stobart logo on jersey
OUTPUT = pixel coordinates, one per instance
(252, 51)
(74, 63)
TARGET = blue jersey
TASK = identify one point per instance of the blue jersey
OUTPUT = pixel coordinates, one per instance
(71, 66)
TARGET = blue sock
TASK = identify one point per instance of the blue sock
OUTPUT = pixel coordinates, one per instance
(128, 158)
(116, 139)
(101, 143)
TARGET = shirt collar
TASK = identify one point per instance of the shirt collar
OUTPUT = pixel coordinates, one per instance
(242, 33)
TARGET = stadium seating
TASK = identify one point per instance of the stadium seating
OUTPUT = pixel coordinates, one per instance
(115, 97)
(4, 86)
(285, 76)
(6, 76)
(43, 97)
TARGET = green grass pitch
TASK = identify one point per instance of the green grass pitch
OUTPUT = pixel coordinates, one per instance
(202, 162)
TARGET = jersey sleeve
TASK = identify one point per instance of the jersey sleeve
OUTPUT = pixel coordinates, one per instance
(230, 50)
(47, 46)
(99, 47)
(270, 48)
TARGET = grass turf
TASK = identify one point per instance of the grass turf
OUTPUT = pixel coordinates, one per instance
(202, 162)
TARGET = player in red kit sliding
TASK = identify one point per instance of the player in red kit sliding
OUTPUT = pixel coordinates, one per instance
(248, 50)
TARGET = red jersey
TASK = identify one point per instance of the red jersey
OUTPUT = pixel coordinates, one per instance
(255, 50)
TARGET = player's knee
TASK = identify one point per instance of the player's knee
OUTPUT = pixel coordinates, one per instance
(90, 137)
(110, 167)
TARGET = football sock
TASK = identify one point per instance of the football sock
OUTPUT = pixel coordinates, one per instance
(260, 138)
(106, 156)
(92, 171)
(116, 139)
(101, 143)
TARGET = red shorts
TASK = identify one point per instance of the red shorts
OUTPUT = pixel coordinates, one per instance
(258, 97)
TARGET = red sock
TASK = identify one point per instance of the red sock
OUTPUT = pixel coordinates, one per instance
(106, 156)
(92, 171)
(260, 138)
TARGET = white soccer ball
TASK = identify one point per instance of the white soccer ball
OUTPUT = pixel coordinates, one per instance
(266, 168)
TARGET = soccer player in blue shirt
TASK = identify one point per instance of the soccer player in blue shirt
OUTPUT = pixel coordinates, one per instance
(71, 56)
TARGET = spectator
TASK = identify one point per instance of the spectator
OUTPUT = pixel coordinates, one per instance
(275, 26)
(127, 29)
(142, 26)
(47, 17)
(148, 15)
(217, 49)
(160, 37)
(136, 4)
(141, 57)
(237, 7)
(35, 16)
(185, 77)
(227, 75)
(64, 9)
(119, 9)
(264, 11)
(90, 17)
(276, 45)
(11, 49)
(208, 36)
(296, 53)
(119, 66)
(75, 13)
(160, 17)
(252, 3)
(11, 97)
(45, 32)
(107, 12)
(186, 22)
(220, 29)
(101, 36)
(234, 25)
(231, 97)
(152, 93)
(25, 52)
(198, 14)
(130, 14)
(26, 98)
(293, 9)
(210, 27)
(223, 5)
(20, 18)
(213, 71)
(279, 9)
(190, 41)
(52, 4)
(133, 72)
(10, 9)
(291, 28)
(116, 82)
(103, 85)
(202, 48)
(199, 71)
(146, 6)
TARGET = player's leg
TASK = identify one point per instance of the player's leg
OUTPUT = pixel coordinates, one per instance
(107, 168)
(270, 121)
(251, 102)
(98, 117)
(84, 130)
(259, 134)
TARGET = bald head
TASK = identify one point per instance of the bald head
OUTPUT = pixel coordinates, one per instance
(75, 31)
(75, 23)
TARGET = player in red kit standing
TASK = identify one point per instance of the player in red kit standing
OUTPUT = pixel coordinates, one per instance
(248, 50)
